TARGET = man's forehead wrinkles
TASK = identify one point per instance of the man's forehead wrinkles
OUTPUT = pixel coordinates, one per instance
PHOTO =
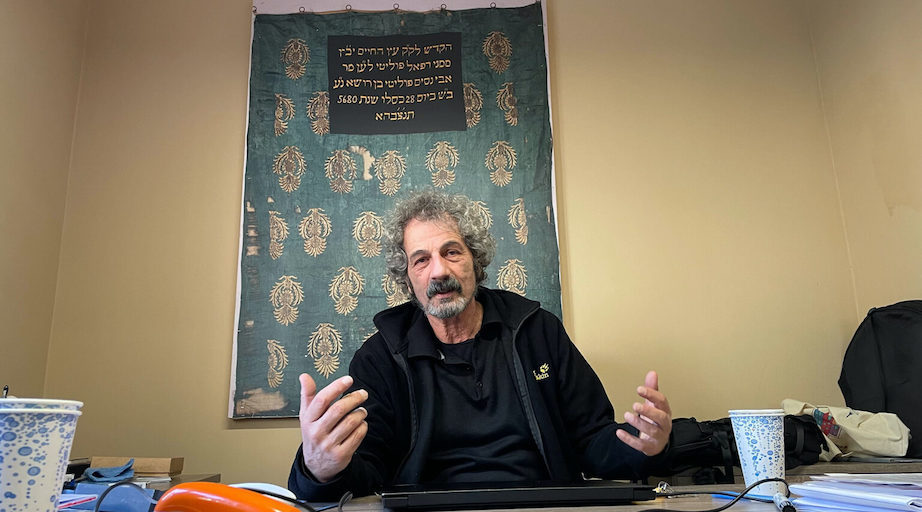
(423, 235)
(449, 244)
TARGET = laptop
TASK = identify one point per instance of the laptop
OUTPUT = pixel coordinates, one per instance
(514, 494)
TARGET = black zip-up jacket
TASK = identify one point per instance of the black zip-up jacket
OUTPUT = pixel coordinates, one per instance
(568, 412)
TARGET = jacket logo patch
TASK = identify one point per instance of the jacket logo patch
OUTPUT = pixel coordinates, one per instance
(544, 372)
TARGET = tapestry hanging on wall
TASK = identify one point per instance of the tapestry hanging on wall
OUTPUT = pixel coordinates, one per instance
(348, 112)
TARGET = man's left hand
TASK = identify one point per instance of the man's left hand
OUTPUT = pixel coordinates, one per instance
(653, 419)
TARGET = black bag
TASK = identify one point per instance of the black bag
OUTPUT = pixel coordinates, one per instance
(706, 445)
(880, 370)
(710, 447)
(803, 441)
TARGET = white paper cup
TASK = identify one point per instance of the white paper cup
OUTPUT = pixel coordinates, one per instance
(39, 403)
(34, 450)
(759, 437)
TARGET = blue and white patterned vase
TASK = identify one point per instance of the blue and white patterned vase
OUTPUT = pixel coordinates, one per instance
(34, 450)
(760, 442)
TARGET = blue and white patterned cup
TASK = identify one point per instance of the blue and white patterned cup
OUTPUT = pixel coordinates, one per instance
(760, 442)
(34, 450)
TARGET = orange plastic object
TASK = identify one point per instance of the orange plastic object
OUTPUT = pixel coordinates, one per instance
(215, 497)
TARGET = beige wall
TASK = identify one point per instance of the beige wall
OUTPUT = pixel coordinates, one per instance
(41, 48)
(147, 282)
(871, 77)
(702, 224)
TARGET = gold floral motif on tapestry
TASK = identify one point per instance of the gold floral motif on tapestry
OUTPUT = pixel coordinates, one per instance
(484, 212)
(318, 110)
(295, 55)
(473, 103)
(289, 164)
(367, 231)
(278, 232)
(284, 112)
(389, 169)
(498, 49)
(512, 277)
(519, 221)
(340, 170)
(314, 228)
(396, 295)
(277, 362)
(500, 160)
(441, 161)
(285, 297)
(345, 289)
(506, 101)
(325, 345)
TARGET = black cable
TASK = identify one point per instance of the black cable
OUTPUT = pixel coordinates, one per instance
(663, 489)
(732, 502)
(345, 499)
(733, 495)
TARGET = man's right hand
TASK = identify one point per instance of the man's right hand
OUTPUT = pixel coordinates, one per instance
(331, 427)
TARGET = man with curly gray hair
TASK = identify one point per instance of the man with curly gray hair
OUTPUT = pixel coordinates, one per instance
(431, 206)
(464, 383)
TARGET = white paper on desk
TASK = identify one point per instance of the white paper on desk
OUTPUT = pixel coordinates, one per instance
(858, 495)
(895, 490)
(818, 505)
(901, 480)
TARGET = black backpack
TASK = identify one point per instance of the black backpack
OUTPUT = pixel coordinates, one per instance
(880, 370)
(709, 447)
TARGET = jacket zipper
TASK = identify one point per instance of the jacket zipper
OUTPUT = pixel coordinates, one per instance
(524, 395)
(414, 421)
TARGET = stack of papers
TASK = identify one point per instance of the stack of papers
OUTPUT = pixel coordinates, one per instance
(145, 481)
(859, 492)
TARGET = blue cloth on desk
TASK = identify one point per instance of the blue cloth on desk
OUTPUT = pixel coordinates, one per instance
(110, 474)
(120, 499)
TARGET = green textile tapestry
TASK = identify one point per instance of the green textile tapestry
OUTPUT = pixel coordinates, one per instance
(316, 189)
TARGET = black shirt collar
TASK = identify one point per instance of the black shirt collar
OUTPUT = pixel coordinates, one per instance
(423, 343)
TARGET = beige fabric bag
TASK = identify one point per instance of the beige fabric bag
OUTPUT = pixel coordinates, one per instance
(853, 432)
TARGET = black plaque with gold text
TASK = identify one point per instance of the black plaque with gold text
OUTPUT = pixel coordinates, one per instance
(395, 83)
